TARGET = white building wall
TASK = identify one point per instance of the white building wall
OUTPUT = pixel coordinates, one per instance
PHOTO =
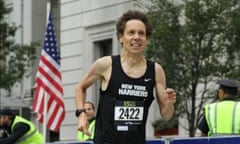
(82, 22)
(29, 17)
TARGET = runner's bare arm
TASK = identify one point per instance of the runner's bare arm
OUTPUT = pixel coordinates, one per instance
(166, 96)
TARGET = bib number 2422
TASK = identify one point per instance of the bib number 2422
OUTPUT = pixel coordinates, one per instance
(128, 113)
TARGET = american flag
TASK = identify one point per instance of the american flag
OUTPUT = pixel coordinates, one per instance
(49, 83)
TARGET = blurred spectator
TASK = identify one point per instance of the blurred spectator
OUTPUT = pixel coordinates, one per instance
(17, 129)
(90, 111)
(223, 117)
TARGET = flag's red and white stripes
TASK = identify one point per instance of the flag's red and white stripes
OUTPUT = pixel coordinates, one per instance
(49, 83)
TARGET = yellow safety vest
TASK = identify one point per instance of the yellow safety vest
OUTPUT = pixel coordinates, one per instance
(83, 137)
(223, 118)
(32, 136)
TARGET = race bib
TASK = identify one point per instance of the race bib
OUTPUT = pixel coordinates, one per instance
(128, 115)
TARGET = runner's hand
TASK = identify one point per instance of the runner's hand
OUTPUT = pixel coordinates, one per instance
(171, 97)
(83, 124)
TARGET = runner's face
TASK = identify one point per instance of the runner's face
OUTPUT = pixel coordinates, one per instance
(134, 39)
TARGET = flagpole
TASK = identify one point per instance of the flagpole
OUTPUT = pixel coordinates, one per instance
(45, 116)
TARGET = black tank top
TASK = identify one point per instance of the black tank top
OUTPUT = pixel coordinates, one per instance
(123, 106)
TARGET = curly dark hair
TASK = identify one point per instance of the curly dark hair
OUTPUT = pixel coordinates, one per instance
(130, 15)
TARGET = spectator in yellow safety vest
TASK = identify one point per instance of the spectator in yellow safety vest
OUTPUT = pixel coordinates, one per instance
(223, 117)
(18, 129)
(90, 112)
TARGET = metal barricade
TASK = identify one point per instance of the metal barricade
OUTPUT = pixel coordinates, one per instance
(72, 142)
(194, 140)
(207, 140)
(156, 141)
